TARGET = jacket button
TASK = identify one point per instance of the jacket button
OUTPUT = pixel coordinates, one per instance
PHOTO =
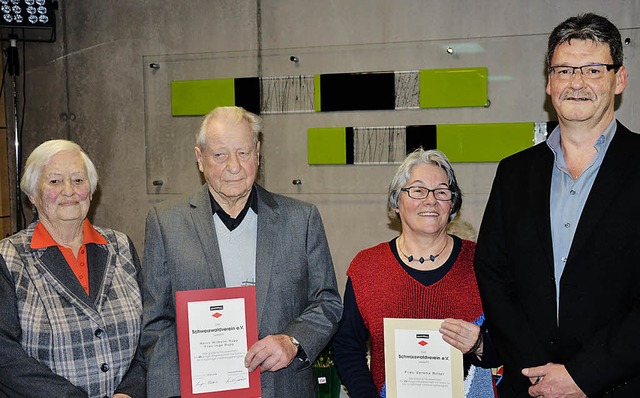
(98, 332)
(104, 367)
(554, 341)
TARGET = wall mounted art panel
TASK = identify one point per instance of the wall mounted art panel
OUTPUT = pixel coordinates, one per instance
(334, 92)
(462, 143)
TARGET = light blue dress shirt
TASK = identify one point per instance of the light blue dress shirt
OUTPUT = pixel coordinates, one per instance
(568, 197)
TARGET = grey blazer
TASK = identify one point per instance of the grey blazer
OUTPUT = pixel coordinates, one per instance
(296, 285)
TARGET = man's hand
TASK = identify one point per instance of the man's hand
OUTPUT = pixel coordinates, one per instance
(271, 353)
(552, 381)
(120, 396)
(462, 335)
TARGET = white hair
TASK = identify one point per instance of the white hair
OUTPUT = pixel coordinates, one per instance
(231, 114)
(41, 156)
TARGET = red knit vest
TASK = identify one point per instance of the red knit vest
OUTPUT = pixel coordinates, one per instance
(383, 289)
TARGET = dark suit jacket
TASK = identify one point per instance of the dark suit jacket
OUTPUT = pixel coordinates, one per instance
(296, 285)
(598, 337)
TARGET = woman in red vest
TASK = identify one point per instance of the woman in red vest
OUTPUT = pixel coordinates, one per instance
(423, 273)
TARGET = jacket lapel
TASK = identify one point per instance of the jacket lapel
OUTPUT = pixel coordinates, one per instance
(100, 271)
(268, 215)
(542, 180)
(202, 218)
(610, 180)
(64, 280)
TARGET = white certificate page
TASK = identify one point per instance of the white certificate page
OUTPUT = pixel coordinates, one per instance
(218, 342)
(420, 362)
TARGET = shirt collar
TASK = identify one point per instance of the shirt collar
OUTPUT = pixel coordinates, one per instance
(42, 238)
(602, 142)
(232, 223)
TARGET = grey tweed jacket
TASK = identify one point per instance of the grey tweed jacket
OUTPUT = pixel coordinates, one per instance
(55, 340)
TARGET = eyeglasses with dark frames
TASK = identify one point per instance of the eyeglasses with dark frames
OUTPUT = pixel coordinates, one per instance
(589, 72)
(418, 192)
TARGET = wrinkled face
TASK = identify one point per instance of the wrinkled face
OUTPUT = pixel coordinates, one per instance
(580, 99)
(63, 192)
(229, 161)
(428, 215)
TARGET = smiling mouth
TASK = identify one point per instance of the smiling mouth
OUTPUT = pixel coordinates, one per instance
(577, 96)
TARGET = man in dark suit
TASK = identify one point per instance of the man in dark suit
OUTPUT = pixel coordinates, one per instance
(232, 232)
(558, 255)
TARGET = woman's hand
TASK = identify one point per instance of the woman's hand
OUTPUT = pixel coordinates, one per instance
(463, 335)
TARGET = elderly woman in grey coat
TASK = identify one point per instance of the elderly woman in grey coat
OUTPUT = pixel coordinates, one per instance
(71, 304)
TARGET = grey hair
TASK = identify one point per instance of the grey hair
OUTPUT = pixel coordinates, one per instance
(417, 157)
(41, 156)
(232, 114)
(587, 27)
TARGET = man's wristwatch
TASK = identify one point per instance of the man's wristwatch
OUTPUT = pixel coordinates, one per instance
(295, 342)
(300, 354)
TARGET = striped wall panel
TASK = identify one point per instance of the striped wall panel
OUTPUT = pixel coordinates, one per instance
(462, 143)
(334, 92)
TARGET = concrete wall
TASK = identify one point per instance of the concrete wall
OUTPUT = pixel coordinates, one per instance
(89, 86)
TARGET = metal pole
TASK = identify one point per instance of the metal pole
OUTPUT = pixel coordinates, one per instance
(14, 70)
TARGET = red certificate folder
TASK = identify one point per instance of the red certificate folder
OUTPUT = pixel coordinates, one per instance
(210, 308)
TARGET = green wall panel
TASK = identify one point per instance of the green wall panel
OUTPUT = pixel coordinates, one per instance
(317, 94)
(198, 97)
(327, 145)
(489, 142)
(451, 88)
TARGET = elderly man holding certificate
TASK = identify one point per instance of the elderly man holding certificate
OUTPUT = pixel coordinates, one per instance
(425, 273)
(234, 233)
